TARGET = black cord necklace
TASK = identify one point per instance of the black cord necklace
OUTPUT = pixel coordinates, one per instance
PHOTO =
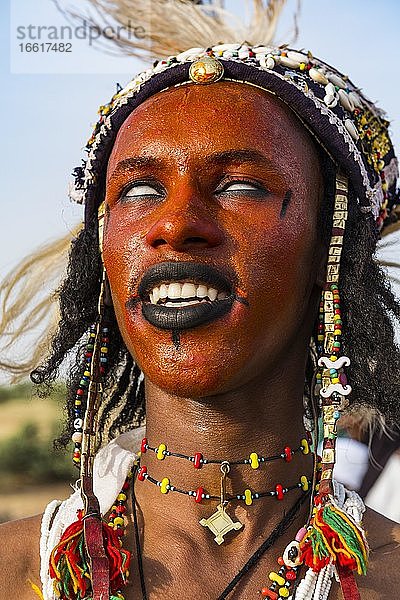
(279, 530)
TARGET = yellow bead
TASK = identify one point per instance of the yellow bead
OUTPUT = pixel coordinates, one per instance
(164, 487)
(305, 446)
(87, 373)
(337, 332)
(283, 592)
(104, 350)
(302, 66)
(160, 451)
(121, 497)
(304, 483)
(337, 318)
(118, 521)
(78, 402)
(254, 462)
(248, 497)
(333, 358)
(320, 338)
(277, 578)
(335, 380)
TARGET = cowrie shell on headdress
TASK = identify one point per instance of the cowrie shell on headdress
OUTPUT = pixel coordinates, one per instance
(345, 101)
(298, 56)
(190, 54)
(336, 80)
(351, 128)
(318, 76)
(356, 100)
(223, 47)
(267, 62)
(289, 62)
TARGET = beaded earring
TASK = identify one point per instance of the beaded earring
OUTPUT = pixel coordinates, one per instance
(333, 536)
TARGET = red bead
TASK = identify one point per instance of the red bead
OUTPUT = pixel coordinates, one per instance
(291, 575)
(125, 486)
(267, 593)
(142, 473)
(143, 445)
(198, 457)
(199, 495)
(279, 491)
(280, 561)
(288, 454)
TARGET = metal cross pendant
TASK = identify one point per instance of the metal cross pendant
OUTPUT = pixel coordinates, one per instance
(220, 522)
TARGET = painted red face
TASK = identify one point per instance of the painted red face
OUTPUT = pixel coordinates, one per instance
(223, 176)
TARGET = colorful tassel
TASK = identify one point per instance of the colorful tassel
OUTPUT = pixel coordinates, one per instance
(334, 536)
(69, 565)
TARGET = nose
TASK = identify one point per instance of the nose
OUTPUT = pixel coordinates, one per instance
(185, 227)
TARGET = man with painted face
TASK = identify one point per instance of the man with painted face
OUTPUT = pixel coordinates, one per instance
(226, 286)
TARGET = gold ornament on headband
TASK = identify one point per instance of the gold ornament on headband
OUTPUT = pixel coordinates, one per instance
(206, 69)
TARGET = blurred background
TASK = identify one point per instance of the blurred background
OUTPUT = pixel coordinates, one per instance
(49, 105)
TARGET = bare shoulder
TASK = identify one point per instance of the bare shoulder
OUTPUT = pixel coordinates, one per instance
(382, 579)
(19, 558)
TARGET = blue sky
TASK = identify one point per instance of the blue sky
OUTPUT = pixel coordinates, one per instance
(46, 118)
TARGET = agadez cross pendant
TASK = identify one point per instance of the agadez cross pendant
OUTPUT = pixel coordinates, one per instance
(220, 523)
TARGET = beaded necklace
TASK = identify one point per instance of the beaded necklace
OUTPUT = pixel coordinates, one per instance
(281, 581)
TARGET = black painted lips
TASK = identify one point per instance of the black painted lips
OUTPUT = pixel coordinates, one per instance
(168, 317)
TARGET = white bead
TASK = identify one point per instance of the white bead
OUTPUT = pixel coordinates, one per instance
(77, 436)
(356, 100)
(331, 100)
(78, 423)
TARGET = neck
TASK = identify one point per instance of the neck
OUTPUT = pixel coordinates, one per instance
(256, 418)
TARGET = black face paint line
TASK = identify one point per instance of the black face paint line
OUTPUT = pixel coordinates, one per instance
(176, 339)
(285, 203)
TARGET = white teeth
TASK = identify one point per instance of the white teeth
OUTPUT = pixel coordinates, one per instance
(212, 294)
(185, 290)
(174, 290)
(201, 291)
(156, 295)
(188, 290)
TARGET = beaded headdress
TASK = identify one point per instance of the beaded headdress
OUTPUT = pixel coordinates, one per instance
(352, 130)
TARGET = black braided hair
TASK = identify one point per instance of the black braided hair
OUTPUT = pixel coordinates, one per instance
(368, 310)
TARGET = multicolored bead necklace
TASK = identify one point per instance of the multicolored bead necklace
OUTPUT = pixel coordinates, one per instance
(198, 459)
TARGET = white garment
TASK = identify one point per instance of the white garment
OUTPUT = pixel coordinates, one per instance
(111, 466)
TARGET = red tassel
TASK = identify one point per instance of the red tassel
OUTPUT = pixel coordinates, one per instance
(69, 565)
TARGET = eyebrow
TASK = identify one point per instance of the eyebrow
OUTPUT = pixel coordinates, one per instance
(218, 158)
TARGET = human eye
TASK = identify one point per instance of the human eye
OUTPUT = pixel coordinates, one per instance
(141, 189)
(242, 188)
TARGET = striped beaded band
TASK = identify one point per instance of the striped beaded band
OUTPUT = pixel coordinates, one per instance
(253, 460)
(350, 127)
(200, 494)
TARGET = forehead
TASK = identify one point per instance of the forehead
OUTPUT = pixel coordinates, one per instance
(192, 121)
